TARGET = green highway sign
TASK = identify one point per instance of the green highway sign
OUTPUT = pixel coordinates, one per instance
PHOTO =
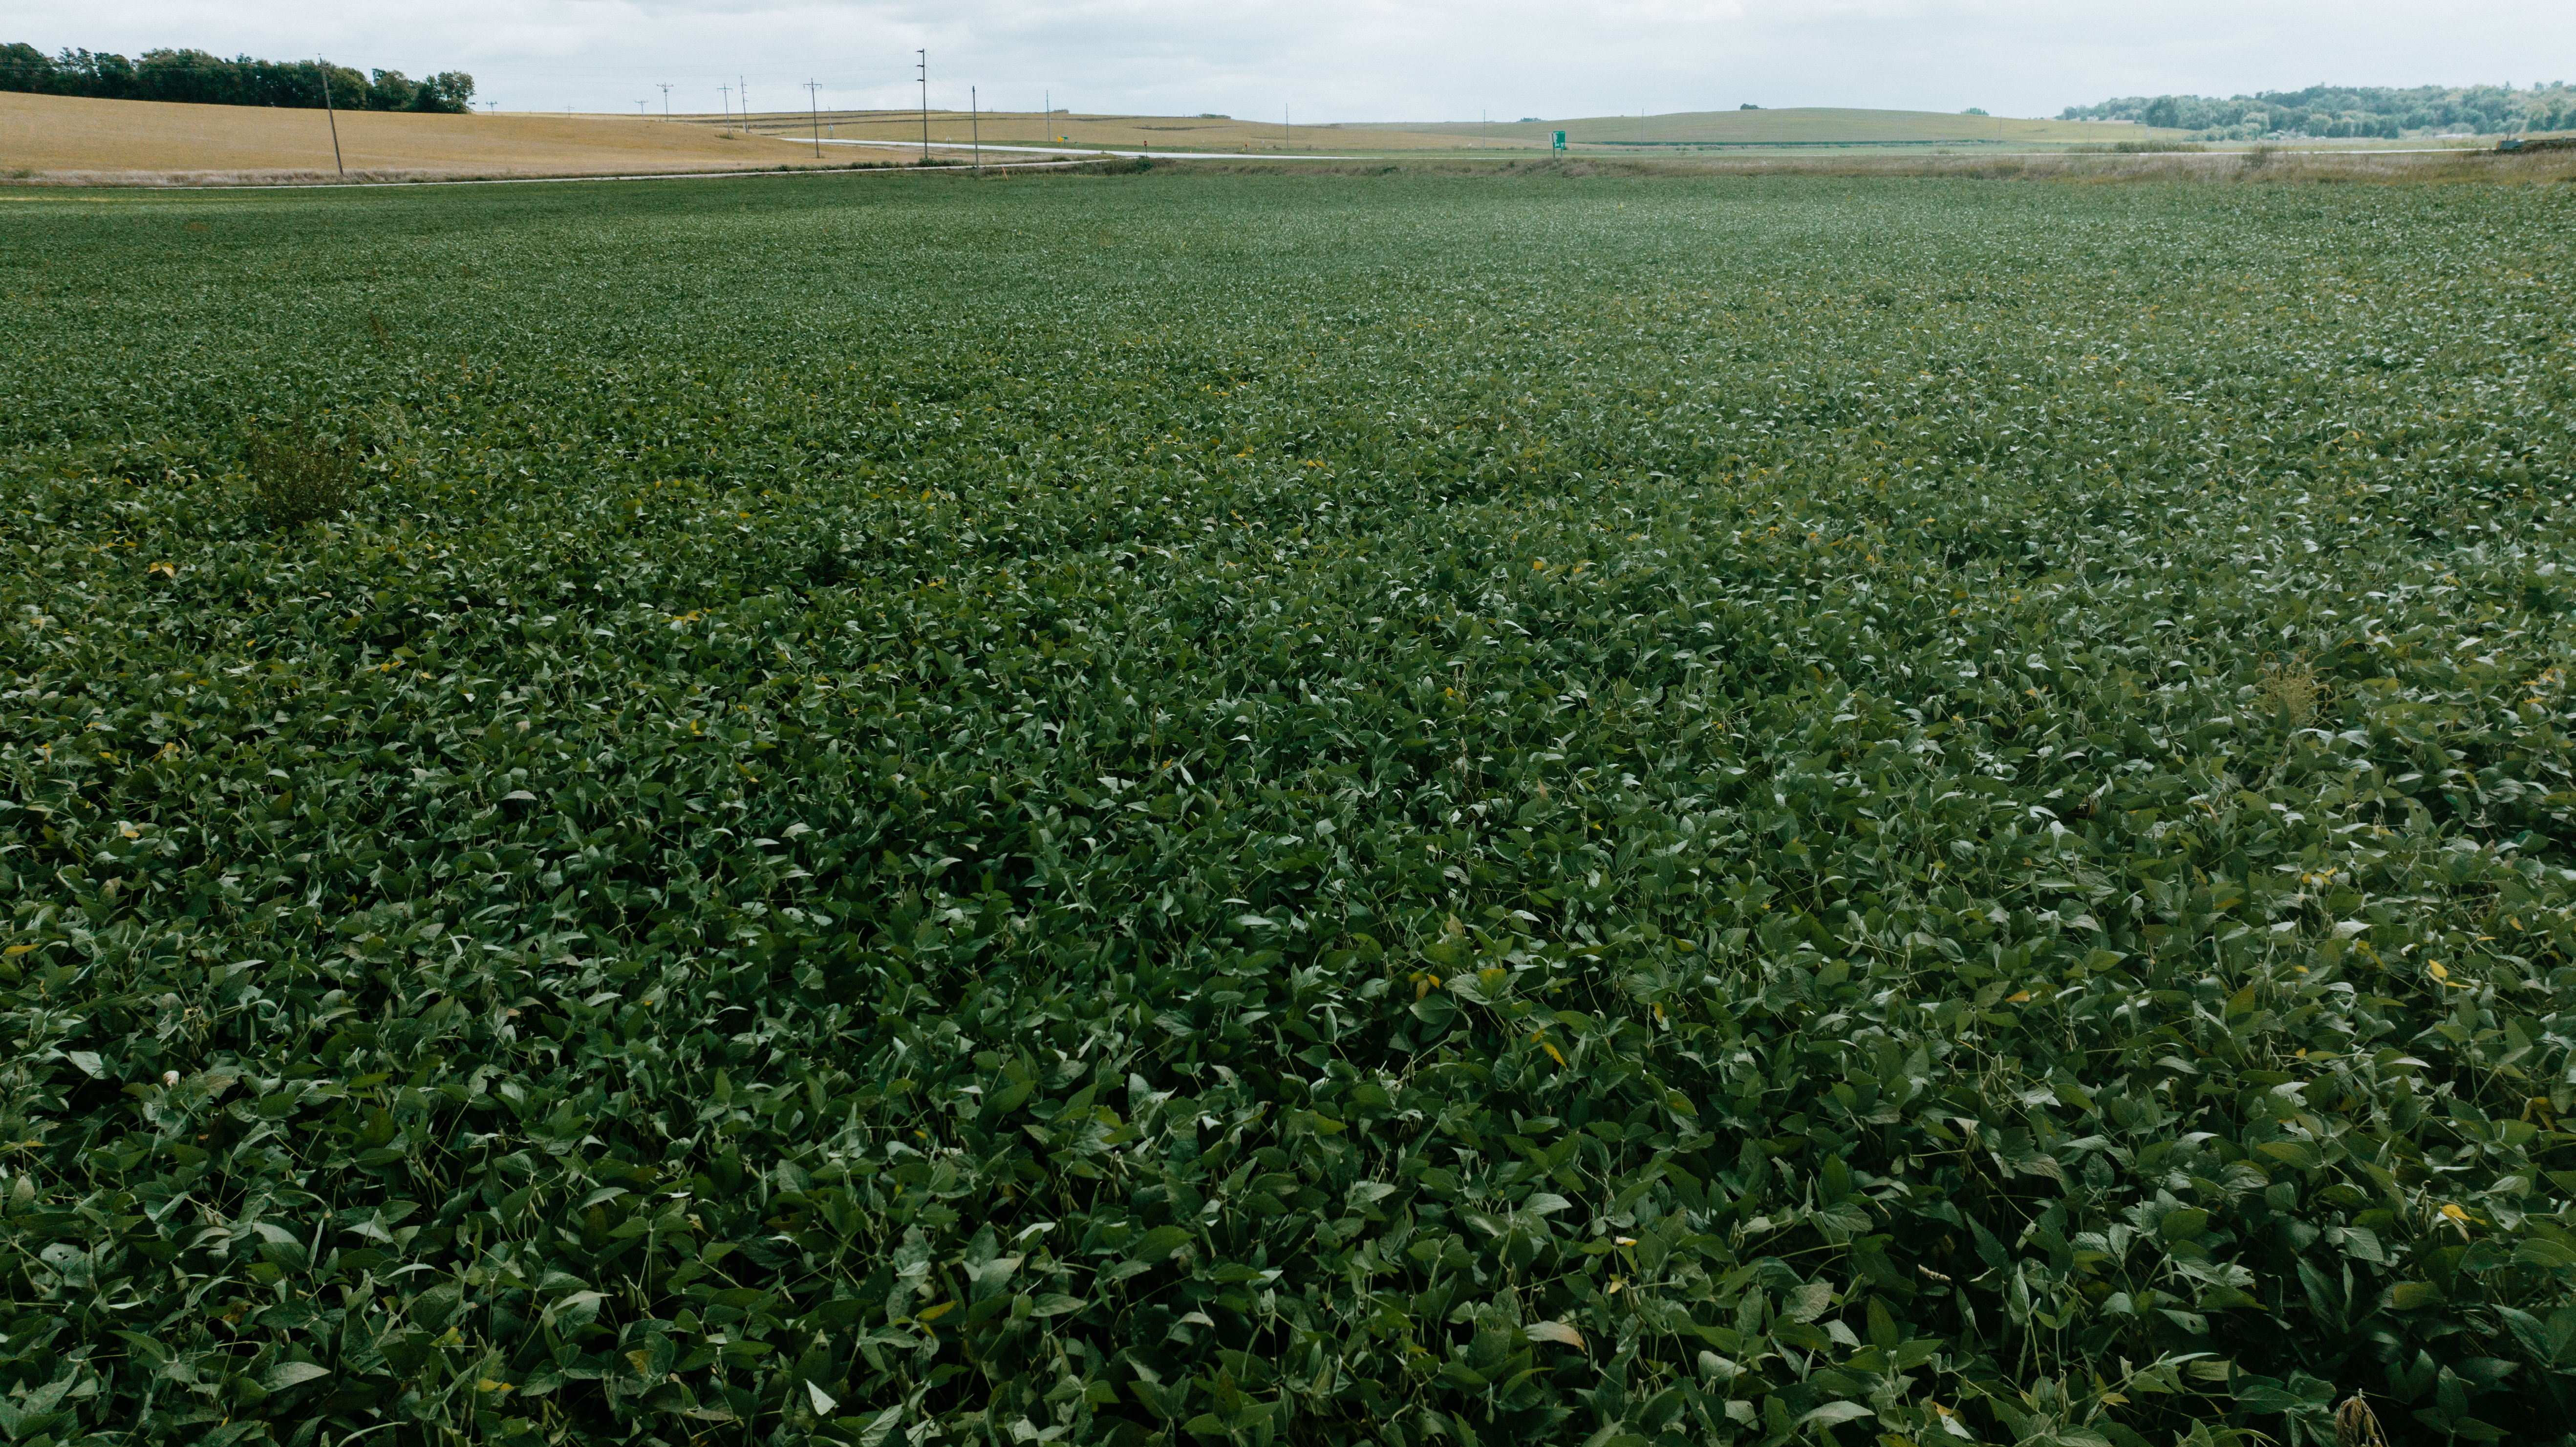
(1560, 140)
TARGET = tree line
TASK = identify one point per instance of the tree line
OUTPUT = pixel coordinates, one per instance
(206, 79)
(2349, 111)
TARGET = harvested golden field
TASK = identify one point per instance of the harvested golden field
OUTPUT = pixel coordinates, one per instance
(1689, 131)
(1005, 129)
(69, 136)
(74, 140)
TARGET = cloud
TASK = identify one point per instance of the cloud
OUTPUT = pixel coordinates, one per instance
(1352, 60)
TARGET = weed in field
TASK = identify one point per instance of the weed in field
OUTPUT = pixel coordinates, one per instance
(2290, 690)
(296, 480)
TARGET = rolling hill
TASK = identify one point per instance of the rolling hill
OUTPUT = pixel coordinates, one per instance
(1799, 126)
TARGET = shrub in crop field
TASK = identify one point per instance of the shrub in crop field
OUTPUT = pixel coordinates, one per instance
(1255, 809)
(297, 481)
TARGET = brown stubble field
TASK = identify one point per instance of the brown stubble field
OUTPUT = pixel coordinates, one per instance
(67, 137)
(59, 140)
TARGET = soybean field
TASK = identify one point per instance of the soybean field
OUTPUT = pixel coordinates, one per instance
(1183, 808)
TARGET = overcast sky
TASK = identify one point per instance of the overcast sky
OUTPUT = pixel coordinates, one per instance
(1351, 60)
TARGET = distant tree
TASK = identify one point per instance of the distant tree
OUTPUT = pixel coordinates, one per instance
(451, 91)
(391, 90)
(203, 78)
(2332, 110)
(78, 72)
(1974, 111)
(24, 68)
(1748, 106)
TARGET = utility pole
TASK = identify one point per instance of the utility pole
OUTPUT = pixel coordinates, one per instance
(811, 110)
(1283, 126)
(666, 99)
(924, 65)
(334, 114)
(975, 119)
(742, 90)
(728, 102)
(1050, 115)
(639, 107)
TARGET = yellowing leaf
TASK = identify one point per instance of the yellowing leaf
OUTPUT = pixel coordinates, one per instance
(1555, 1331)
(2410, 1295)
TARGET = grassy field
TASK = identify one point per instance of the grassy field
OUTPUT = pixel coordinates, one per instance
(1269, 809)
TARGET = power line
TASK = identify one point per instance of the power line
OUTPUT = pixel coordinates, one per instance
(925, 103)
